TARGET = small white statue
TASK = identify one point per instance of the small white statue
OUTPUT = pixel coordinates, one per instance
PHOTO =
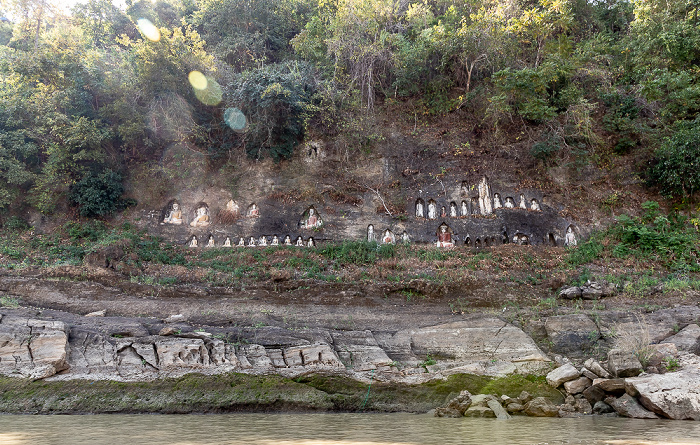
(523, 204)
(535, 206)
(253, 211)
(570, 237)
(432, 210)
(509, 203)
(241, 242)
(370, 234)
(300, 242)
(263, 241)
(465, 208)
(275, 241)
(227, 242)
(419, 209)
(287, 240)
(453, 210)
(497, 201)
(210, 241)
(405, 238)
(193, 241)
(310, 242)
(251, 242)
(388, 237)
(444, 237)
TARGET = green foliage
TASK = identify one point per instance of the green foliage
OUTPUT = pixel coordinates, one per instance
(676, 168)
(98, 194)
(15, 224)
(278, 100)
(357, 252)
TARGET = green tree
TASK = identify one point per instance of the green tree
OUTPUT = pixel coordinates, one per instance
(676, 166)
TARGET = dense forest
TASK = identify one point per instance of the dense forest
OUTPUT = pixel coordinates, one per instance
(87, 93)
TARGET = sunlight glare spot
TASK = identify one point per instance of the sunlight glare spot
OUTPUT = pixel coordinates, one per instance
(235, 119)
(148, 29)
(198, 80)
(211, 94)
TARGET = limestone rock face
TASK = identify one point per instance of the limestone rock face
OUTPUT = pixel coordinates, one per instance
(359, 350)
(562, 374)
(477, 339)
(172, 352)
(688, 339)
(455, 407)
(571, 334)
(312, 355)
(627, 406)
(32, 348)
(541, 407)
(623, 363)
(675, 395)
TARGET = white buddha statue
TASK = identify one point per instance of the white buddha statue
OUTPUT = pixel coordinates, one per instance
(174, 216)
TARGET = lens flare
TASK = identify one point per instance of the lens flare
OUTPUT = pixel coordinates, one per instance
(212, 92)
(148, 29)
(198, 80)
(235, 119)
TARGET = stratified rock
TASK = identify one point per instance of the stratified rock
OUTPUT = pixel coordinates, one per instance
(588, 373)
(627, 406)
(660, 355)
(541, 407)
(688, 339)
(477, 339)
(595, 367)
(571, 334)
(181, 352)
(675, 395)
(455, 407)
(562, 374)
(623, 363)
(166, 331)
(32, 348)
(359, 350)
(601, 407)
(174, 318)
(570, 293)
(319, 354)
(577, 386)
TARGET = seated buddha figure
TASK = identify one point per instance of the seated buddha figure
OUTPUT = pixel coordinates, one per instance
(174, 215)
(444, 237)
(201, 218)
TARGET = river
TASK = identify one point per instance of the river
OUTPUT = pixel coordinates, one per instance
(337, 429)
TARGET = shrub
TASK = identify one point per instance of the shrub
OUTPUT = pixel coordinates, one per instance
(676, 168)
(98, 194)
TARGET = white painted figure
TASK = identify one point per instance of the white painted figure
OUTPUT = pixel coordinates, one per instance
(287, 240)
(253, 211)
(275, 241)
(312, 220)
(210, 241)
(453, 210)
(444, 236)
(570, 237)
(420, 211)
(534, 205)
(388, 237)
(251, 242)
(497, 201)
(465, 208)
(201, 218)
(300, 242)
(485, 197)
(193, 241)
(523, 204)
(510, 203)
(262, 242)
(310, 242)
(174, 215)
(241, 242)
(432, 210)
(370, 234)
(405, 238)
(227, 242)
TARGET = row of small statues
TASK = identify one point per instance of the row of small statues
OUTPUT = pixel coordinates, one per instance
(310, 219)
(260, 242)
(454, 212)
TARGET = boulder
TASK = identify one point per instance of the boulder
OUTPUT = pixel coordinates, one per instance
(498, 409)
(610, 385)
(627, 406)
(583, 406)
(514, 407)
(541, 407)
(359, 350)
(101, 313)
(688, 339)
(623, 363)
(675, 395)
(601, 407)
(595, 367)
(577, 386)
(571, 334)
(479, 411)
(594, 290)
(570, 293)
(455, 407)
(594, 394)
(524, 397)
(588, 373)
(562, 374)
(660, 356)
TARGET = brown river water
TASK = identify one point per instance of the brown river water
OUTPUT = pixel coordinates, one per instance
(337, 429)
